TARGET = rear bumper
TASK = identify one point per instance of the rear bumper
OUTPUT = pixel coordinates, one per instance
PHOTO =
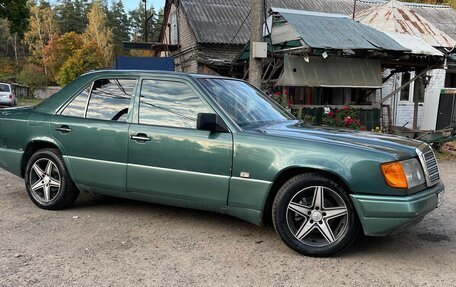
(6, 102)
(383, 215)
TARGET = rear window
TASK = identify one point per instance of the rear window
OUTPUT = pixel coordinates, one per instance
(4, 88)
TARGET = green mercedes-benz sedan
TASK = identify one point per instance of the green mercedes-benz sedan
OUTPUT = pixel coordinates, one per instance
(217, 144)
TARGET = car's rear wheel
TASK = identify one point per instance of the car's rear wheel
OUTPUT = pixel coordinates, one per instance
(314, 215)
(48, 183)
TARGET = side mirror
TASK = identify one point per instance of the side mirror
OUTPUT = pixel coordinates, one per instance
(210, 122)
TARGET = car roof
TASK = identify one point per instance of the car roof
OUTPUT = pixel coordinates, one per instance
(155, 72)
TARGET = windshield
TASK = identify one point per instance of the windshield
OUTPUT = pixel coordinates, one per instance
(4, 88)
(245, 105)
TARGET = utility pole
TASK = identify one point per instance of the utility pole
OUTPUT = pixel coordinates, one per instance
(256, 35)
(145, 20)
(354, 10)
(417, 90)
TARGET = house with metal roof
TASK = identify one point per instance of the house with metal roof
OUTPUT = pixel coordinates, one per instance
(210, 35)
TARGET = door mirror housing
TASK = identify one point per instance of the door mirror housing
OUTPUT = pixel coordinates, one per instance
(210, 122)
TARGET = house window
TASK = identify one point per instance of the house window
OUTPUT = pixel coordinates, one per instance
(405, 92)
(173, 29)
(450, 79)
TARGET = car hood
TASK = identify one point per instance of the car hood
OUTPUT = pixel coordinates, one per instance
(401, 147)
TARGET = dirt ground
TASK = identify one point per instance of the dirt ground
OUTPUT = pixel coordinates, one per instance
(104, 241)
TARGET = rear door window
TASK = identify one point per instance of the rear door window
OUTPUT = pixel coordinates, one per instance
(105, 99)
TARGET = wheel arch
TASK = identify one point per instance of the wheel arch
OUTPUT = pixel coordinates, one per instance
(34, 146)
(288, 173)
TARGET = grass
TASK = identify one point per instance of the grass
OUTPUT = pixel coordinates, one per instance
(28, 102)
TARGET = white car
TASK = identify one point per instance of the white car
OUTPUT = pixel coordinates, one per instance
(7, 95)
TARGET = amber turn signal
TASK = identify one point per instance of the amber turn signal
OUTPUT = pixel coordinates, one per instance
(394, 175)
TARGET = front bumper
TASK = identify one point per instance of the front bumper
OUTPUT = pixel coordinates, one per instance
(383, 215)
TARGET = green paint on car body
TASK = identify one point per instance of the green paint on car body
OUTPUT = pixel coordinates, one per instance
(232, 173)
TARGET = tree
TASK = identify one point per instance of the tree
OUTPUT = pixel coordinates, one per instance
(98, 31)
(120, 25)
(137, 19)
(58, 51)
(43, 28)
(17, 12)
(72, 15)
(32, 76)
(7, 69)
(158, 24)
(85, 59)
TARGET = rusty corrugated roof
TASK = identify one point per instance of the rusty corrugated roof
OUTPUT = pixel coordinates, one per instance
(216, 21)
(395, 17)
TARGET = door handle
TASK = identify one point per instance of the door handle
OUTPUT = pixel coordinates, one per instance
(140, 138)
(64, 129)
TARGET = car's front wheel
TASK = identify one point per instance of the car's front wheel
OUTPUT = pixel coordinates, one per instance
(314, 215)
(48, 183)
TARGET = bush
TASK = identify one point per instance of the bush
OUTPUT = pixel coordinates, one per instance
(32, 76)
(344, 118)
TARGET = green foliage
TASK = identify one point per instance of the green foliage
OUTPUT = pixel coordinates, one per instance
(32, 76)
(118, 22)
(7, 69)
(85, 59)
(137, 19)
(309, 118)
(72, 15)
(344, 118)
(17, 12)
(280, 98)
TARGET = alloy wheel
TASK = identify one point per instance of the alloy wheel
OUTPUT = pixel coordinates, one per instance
(317, 216)
(45, 181)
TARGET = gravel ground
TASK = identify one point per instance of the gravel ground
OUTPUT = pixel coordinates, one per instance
(104, 241)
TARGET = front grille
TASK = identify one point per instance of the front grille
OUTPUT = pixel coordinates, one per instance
(431, 167)
(429, 164)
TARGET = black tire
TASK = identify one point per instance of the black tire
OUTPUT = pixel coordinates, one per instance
(292, 201)
(58, 198)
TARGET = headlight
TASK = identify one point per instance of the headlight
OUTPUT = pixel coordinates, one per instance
(403, 174)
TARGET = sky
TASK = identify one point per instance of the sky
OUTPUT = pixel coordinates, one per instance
(132, 4)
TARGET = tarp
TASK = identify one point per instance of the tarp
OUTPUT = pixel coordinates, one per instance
(330, 72)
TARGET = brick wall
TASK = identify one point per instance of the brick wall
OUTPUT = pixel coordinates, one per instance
(185, 58)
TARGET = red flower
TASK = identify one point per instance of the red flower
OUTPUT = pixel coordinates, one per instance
(346, 108)
(363, 128)
(277, 93)
(331, 115)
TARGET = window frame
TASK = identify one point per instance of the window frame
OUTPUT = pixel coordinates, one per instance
(91, 84)
(175, 80)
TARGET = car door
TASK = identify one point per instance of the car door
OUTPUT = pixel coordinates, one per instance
(168, 156)
(93, 131)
